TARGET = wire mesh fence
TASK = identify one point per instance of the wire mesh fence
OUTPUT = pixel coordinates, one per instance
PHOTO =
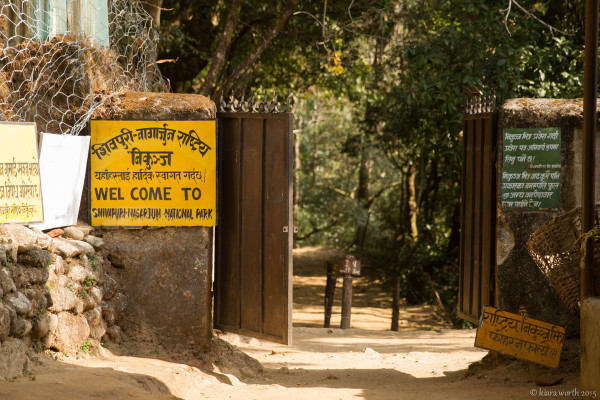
(62, 61)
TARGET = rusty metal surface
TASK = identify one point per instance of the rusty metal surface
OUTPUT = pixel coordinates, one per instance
(478, 215)
(253, 269)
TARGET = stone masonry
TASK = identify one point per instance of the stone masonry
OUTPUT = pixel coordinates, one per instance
(57, 293)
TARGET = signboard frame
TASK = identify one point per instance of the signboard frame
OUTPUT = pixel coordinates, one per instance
(40, 213)
(159, 124)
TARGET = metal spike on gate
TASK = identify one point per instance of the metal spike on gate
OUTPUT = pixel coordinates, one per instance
(255, 105)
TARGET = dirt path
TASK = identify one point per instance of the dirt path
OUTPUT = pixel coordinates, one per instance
(424, 360)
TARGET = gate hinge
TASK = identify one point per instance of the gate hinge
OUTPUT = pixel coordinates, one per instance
(286, 229)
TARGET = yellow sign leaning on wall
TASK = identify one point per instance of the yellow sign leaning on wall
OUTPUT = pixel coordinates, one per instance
(20, 189)
(519, 336)
(153, 173)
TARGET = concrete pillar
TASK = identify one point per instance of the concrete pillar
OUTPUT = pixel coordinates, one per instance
(590, 344)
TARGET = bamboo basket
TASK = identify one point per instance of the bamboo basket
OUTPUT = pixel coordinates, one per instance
(555, 249)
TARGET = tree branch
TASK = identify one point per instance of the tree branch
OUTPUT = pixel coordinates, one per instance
(530, 14)
(218, 60)
(255, 54)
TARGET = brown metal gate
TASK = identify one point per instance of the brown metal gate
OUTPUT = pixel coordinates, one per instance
(253, 268)
(478, 203)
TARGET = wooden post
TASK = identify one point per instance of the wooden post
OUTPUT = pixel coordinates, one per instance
(329, 294)
(588, 164)
(346, 302)
(395, 303)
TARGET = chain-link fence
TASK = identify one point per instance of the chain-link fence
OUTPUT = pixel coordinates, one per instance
(61, 61)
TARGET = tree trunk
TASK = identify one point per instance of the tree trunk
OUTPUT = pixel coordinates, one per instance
(412, 204)
(297, 167)
(315, 141)
(153, 8)
(362, 197)
(255, 54)
(218, 60)
(395, 303)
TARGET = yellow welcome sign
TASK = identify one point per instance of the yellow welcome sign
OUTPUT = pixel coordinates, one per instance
(153, 173)
(519, 336)
(20, 189)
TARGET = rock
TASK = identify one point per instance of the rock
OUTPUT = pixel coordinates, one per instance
(39, 302)
(369, 350)
(232, 380)
(65, 282)
(55, 232)
(53, 323)
(52, 327)
(114, 334)
(27, 276)
(116, 260)
(96, 323)
(36, 257)
(96, 294)
(12, 358)
(98, 331)
(20, 303)
(108, 313)
(79, 307)
(331, 375)
(41, 326)
(86, 229)
(70, 334)
(88, 301)
(96, 242)
(23, 237)
(72, 232)
(58, 266)
(72, 248)
(20, 327)
(6, 281)
(77, 273)
(6, 253)
(63, 299)
(93, 316)
(110, 287)
(5, 322)
(43, 241)
(119, 304)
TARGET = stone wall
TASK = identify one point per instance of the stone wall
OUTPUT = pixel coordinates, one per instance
(518, 279)
(57, 292)
(80, 284)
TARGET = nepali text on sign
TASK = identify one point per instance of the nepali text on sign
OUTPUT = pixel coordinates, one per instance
(531, 165)
(20, 188)
(153, 173)
(519, 336)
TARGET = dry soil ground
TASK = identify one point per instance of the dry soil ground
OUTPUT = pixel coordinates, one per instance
(425, 360)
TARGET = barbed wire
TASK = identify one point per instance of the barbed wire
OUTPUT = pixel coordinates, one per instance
(63, 61)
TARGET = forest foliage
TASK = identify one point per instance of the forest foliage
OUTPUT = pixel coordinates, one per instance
(377, 105)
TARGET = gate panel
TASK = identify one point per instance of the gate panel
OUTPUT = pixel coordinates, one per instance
(251, 245)
(253, 273)
(227, 285)
(478, 205)
(276, 194)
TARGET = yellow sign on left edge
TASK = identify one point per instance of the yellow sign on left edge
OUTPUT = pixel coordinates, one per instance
(20, 188)
(153, 173)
